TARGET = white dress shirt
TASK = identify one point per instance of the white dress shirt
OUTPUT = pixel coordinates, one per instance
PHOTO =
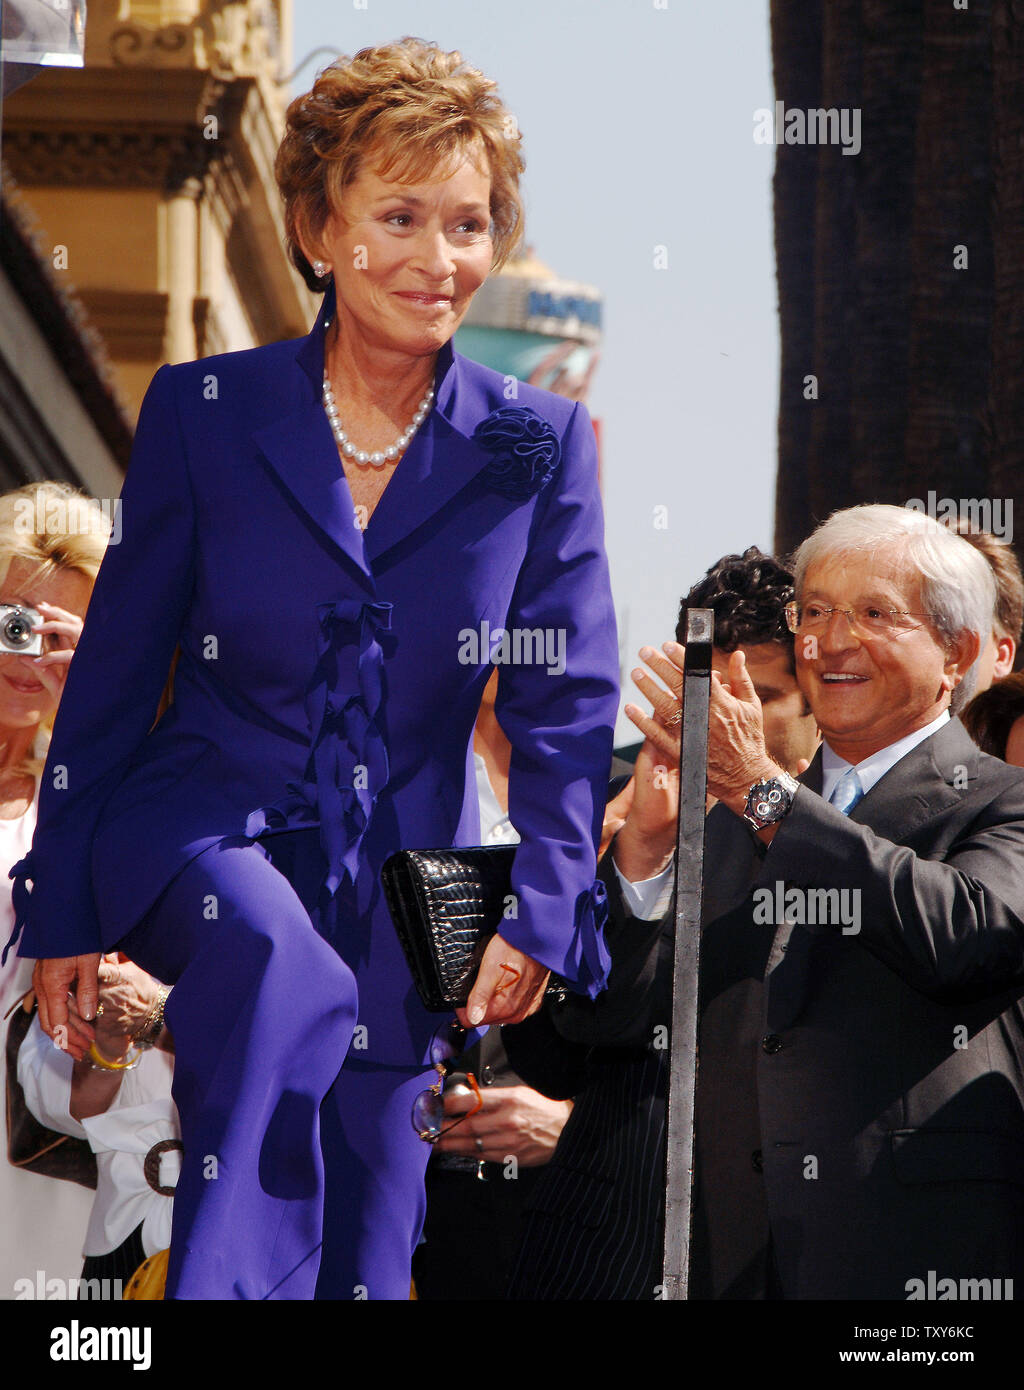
(648, 898)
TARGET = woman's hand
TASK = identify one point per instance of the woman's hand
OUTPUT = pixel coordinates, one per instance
(509, 987)
(661, 728)
(52, 981)
(127, 995)
(51, 669)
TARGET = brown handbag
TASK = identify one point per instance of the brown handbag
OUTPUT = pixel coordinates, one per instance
(31, 1145)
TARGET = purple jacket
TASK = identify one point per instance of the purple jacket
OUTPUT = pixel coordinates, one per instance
(332, 675)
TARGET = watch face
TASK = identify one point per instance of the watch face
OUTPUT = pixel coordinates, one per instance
(768, 802)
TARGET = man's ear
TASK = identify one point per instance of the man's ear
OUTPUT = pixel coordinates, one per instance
(961, 654)
(1006, 651)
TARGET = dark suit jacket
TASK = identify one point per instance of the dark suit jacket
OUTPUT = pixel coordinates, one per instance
(860, 1094)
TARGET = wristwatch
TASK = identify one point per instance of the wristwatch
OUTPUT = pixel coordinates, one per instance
(770, 800)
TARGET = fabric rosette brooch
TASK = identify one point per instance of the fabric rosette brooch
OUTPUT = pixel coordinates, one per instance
(525, 448)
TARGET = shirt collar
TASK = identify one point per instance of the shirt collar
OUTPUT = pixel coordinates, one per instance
(872, 769)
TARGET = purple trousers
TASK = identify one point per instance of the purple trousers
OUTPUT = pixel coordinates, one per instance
(300, 1180)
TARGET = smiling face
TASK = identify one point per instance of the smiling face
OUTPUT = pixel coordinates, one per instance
(867, 692)
(408, 258)
(24, 700)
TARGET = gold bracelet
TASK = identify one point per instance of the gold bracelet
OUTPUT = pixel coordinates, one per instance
(153, 1023)
(104, 1063)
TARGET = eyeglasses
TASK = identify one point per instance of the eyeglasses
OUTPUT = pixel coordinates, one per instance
(428, 1107)
(868, 619)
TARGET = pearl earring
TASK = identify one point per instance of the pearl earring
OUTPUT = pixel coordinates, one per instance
(320, 269)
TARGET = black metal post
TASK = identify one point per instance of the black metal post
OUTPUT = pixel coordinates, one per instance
(700, 629)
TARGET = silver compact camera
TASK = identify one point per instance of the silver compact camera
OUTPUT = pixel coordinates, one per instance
(18, 630)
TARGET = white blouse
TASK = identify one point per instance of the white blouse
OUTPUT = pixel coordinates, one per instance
(141, 1115)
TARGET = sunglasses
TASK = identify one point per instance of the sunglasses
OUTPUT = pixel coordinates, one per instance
(428, 1117)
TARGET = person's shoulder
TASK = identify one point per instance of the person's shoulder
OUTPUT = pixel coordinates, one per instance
(956, 754)
(1001, 780)
(253, 366)
(482, 390)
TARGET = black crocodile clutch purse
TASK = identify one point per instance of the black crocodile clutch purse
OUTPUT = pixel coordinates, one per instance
(446, 905)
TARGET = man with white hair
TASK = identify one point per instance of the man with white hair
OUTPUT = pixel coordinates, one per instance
(860, 1096)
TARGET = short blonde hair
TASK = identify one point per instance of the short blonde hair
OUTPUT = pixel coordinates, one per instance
(409, 109)
(73, 536)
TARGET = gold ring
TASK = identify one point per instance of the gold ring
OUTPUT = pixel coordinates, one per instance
(675, 719)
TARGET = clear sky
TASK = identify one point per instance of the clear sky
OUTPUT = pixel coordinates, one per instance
(637, 125)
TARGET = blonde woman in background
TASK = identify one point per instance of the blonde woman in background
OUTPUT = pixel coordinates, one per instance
(50, 570)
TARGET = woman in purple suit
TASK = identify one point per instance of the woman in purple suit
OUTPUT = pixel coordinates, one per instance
(341, 535)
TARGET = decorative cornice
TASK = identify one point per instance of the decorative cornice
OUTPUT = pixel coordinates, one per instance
(230, 38)
(138, 45)
(107, 158)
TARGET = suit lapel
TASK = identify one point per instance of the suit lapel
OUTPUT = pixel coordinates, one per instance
(922, 786)
(300, 449)
(812, 776)
(439, 463)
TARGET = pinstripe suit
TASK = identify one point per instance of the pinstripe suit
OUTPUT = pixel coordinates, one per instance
(593, 1225)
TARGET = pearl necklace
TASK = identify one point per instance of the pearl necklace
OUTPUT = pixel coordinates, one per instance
(378, 458)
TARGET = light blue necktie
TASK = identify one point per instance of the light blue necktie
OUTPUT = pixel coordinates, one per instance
(846, 792)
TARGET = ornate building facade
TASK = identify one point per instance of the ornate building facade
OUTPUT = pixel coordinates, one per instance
(150, 174)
